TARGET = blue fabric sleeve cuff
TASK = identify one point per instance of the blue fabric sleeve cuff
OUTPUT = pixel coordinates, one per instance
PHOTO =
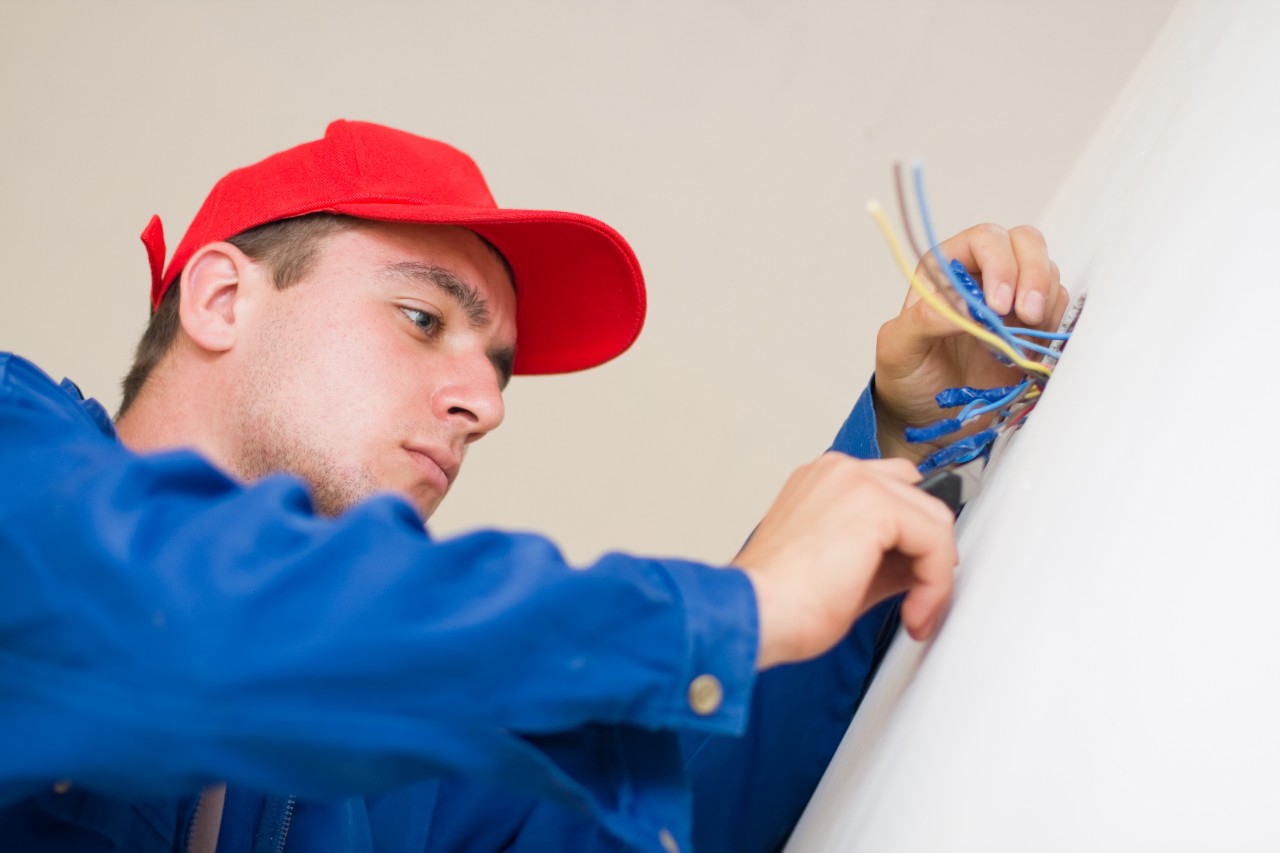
(714, 692)
(857, 436)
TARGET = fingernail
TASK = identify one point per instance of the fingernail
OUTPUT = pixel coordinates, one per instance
(1033, 307)
(1003, 298)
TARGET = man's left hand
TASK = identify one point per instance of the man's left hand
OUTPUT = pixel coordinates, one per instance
(920, 352)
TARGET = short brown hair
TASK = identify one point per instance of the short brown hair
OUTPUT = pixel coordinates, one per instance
(286, 247)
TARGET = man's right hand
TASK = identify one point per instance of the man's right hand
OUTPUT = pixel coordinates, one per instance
(843, 535)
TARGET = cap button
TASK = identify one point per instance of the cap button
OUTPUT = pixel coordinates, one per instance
(62, 786)
(705, 694)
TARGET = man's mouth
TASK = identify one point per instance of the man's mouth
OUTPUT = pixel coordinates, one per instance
(438, 467)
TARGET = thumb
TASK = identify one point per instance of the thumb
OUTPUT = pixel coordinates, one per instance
(908, 339)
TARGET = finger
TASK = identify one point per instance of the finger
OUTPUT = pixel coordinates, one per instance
(926, 602)
(1057, 298)
(1035, 275)
(984, 248)
(907, 491)
(1061, 298)
(904, 342)
(927, 543)
(1058, 307)
(898, 470)
(935, 281)
(988, 250)
(886, 485)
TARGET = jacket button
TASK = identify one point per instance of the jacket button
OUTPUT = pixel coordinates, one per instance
(705, 695)
(668, 841)
(62, 786)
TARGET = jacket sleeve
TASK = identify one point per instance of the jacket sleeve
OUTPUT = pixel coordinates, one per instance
(749, 791)
(164, 626)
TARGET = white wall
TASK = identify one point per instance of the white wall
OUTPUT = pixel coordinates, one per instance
(734, 143)
(1106, 679)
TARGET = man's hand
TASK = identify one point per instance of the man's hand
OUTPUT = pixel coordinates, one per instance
(919, 352)
(843, 535)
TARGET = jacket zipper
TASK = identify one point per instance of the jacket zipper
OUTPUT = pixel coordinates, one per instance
(285, 821)
(191, 827)
(210, 806)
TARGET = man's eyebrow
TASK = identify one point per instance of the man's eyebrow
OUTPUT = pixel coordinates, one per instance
(468, 298)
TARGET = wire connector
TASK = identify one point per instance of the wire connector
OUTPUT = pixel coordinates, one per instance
(949, 398)
(966, 282)
(934, 430)
(962, 451)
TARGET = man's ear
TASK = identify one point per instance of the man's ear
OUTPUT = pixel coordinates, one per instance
(214, 285)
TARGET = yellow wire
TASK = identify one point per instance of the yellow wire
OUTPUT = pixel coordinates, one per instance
(942, 307)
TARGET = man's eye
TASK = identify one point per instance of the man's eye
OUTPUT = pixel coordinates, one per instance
(429, 323)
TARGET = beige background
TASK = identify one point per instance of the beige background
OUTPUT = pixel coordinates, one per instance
(733, 143)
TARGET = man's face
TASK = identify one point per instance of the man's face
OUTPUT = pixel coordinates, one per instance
(379, 368)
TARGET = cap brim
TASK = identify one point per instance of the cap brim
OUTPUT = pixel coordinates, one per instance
(579, 291)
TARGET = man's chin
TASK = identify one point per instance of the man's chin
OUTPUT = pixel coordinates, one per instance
(427, 506)
(332, 497)
(425, 499)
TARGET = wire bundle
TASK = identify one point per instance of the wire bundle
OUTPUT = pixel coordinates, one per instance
(949, 289)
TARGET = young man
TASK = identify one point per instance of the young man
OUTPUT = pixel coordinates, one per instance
(233, 583)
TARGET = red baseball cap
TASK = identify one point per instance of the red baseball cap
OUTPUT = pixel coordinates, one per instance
(580, 292)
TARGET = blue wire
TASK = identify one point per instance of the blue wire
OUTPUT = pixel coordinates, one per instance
(1018, 391)
(1037, 348)
(977, 409)
(1036, 333)
(971, 286)
(977, 307)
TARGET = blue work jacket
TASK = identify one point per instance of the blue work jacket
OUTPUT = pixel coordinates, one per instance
(362, 686)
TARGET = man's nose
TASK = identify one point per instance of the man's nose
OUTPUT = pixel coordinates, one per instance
(471, 394)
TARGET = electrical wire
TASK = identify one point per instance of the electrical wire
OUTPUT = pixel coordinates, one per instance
(1037, 333)
(902, 206)
(942, 307)
(977, 305)
(976, 410)
(968, 285)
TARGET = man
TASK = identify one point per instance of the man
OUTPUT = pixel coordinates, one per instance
(331, 335)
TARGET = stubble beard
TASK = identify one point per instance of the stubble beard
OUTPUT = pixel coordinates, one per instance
(273, 442)
(333, 488)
